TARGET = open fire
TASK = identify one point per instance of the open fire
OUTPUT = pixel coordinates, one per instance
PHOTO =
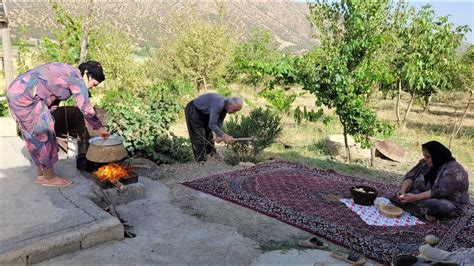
(112, 172)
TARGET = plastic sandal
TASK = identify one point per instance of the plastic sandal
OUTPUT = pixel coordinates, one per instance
(351, 258)
(313, 242)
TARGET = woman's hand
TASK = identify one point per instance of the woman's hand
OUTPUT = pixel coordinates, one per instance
(408, 197)
(400, 192)
(104, 133)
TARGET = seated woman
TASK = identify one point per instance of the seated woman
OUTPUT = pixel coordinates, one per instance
(437, 187)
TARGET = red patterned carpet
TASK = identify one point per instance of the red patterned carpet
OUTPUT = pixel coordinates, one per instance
(307, 198)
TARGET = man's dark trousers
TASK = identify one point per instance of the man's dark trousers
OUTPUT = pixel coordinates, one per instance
(201, 136)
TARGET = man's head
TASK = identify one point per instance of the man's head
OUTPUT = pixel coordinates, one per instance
(234, 104)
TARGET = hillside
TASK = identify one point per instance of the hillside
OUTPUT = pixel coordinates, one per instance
(147, 21)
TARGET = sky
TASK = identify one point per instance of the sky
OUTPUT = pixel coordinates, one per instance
(461, 12)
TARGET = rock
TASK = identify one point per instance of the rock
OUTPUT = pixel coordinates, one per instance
(246, 164)
(337, 147)
(431, 240)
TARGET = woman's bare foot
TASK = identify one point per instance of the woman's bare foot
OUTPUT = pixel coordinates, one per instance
(53, 182)
(430, 218)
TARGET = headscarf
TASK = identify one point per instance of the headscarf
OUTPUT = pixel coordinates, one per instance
(439, 156)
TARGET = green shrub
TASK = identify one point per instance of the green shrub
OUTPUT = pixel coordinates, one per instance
(278, 99)
(172, 149)
(265, 125)
(140, 119)
(4, 109)
(222, 87)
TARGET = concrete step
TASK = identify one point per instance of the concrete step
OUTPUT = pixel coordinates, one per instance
(7, 127)
(38, 223)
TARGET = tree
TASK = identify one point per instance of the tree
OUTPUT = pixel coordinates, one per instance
(464, 82)
(106, 44)
(426, 60)
(340, 73)
(196, 50)
(256, 63)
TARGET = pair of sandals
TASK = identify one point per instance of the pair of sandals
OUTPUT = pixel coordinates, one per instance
(351, 258)
(53, 182)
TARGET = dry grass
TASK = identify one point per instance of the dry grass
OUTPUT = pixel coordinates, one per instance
(308, 146)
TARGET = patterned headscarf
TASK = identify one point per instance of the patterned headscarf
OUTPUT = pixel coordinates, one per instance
(439, 156)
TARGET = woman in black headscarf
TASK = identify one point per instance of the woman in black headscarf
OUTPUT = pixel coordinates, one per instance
(437, 187)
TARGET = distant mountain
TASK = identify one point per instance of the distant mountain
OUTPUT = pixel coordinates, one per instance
(146, 21)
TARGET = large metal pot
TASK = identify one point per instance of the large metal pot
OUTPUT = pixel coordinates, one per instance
(106, 150)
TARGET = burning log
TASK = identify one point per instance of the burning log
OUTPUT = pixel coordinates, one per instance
(112, 173)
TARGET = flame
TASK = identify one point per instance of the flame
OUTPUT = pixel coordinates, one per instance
(111, 172)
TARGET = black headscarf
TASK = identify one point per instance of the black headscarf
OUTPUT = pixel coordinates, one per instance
(439, 156)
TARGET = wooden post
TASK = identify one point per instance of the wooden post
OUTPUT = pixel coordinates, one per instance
(7, 46)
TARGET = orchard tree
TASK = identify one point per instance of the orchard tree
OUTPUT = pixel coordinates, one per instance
(256, 63)
(426, 61)
(197, 50)
(105, 43)
(464, 82)
(340, 73)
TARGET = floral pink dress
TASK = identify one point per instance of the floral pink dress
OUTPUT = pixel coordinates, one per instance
(31, 98)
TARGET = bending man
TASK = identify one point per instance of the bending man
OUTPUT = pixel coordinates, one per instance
(205, 115)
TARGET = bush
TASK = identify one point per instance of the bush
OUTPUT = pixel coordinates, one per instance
(4, 109)
(278, 99)
(140, 119)
(172, 149)
(262, 124)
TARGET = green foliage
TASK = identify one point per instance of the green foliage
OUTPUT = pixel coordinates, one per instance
(222, 87)
(427, 61)
(340, 73)
(4, 111)
(114, 50)
(66, 47)
(196, 50)
(169, 150)
(108, 45)
(254, 58)
(279, 99)
(23, 52)
(310, 115)
(140, 119)
(254, 62)
(464, 80)
(265, 125)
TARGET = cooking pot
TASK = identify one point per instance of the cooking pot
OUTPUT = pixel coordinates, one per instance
(106, 150)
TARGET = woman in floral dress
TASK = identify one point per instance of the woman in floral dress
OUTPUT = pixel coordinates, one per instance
(35, 94)
(437, 187)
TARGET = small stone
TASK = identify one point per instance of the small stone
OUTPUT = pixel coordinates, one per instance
(246, 164)
(431, 240)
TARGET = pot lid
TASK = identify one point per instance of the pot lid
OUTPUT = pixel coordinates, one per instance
(110, 141)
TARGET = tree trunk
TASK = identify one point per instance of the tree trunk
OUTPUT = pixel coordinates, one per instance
(398, 101)
(462, 119)
(412, 97)
(204, 83)
(85, 32)
(7, 55)
(427, 103)
(346, 144)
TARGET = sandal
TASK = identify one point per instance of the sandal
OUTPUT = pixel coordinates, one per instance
(53, 182)
(351, 258)
(313, 243)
